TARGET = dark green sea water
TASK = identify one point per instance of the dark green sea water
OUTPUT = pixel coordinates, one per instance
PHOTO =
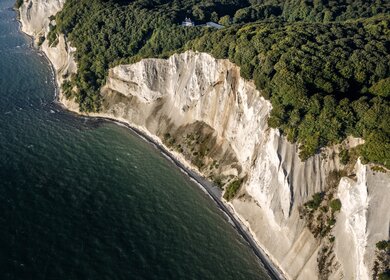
(86, 199)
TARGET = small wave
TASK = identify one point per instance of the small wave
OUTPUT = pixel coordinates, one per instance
(169, 158)
(204, 190)
(230, 221)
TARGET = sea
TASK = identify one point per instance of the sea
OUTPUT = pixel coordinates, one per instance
(82, 198)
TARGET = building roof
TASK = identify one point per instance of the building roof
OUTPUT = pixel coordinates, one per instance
(214, 25)
(188, 22)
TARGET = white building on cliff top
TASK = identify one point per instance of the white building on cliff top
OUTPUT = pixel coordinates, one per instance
(188, 22)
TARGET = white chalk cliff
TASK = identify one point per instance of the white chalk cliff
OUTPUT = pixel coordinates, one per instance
(196, 93)
(34, 17)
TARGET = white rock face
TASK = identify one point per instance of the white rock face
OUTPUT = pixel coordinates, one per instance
(34, 17)
(363, 221)
(191, 87)
(161, 96)
(353, 219)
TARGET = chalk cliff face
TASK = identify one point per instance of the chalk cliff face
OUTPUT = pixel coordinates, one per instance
(203, 110)
(363, 221)
(36, 14)
(34, 18)
(164, 96)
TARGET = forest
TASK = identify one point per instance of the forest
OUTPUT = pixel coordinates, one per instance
(324, 65)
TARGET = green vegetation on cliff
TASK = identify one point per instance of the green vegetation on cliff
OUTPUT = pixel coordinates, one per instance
(232, 188)
(324, 65)
(381, 267)
(325, 81)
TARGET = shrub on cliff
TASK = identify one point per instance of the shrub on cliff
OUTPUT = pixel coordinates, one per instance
(335, 204)
(315, 202)
(383, 245)
(384, 275)
(232, 189)
(344, 156)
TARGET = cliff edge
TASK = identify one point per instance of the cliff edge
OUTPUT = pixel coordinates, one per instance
(216, 122)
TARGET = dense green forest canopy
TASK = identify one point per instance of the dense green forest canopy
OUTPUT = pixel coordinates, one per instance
(323, 64)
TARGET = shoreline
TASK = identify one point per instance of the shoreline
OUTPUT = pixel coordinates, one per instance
(212, 191)
(205, 185)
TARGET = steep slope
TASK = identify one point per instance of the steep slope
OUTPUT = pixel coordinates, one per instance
(216, 121)
(34, 18)
(194, 90)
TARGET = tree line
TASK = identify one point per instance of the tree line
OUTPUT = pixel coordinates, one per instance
(324, 65)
